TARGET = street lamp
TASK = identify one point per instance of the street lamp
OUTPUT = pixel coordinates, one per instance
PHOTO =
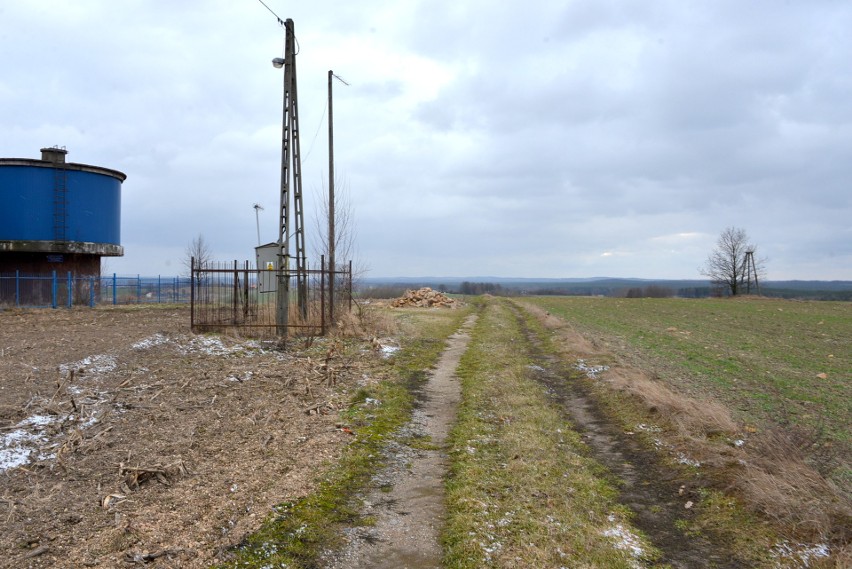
(278, 62)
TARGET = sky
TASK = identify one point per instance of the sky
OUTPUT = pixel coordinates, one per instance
(552, 139)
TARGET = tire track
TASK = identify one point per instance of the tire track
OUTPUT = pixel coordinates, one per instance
(407, 498)
(648, 488)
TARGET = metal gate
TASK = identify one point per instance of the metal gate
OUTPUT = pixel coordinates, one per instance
(230, 296)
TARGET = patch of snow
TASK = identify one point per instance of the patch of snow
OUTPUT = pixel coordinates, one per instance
(683, 459)
(590, 371)
(208, 345)
(37, 421)
(648, 428)
(13, 456)
(802, 552)
(739, 443)
(257, 345)
(151, 341)
(388, 351)
(241, 378)
(625, 540)
(535, 367)
(17, 446)
(98, 364)
(369, 401)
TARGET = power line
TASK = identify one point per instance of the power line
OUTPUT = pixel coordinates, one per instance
(281, 23)
(325, 108)
(277, 17)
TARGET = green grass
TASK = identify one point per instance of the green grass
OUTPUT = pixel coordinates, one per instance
(298, 532)
(522, 491)
(771, 361)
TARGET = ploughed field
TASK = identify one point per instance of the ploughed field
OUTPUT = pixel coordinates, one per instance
(126, 439)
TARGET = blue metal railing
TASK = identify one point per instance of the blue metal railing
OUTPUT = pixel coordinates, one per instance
(56, 289)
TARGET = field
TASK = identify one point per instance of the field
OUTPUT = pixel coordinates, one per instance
(591, 432)
(722, 428)
(128, 439)
(769, 361)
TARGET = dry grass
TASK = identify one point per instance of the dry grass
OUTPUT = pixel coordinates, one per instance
(782, 473)
(366, 321)
(691, 418)
(777, 480)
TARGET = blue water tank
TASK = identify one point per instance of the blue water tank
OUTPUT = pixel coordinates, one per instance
(50, 205)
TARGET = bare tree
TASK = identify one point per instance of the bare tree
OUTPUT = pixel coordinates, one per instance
(199, 250)
(726, 266)
(345, 231)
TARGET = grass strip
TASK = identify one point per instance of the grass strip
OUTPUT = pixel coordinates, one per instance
(522, 490)
(296, 533)
(738, 502)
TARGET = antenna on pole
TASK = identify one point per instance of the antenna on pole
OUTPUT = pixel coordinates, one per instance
(257, 209)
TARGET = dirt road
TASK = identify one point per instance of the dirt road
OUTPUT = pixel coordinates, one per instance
(406, 499)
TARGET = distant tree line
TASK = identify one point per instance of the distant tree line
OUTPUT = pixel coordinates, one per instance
(650, 291)
(812, 290)
(494, 289)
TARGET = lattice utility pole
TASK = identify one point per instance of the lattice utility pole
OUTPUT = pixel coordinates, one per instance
(751, 270)
(290, 160)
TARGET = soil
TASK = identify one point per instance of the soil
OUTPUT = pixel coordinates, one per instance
(127, 440)
(407, 498)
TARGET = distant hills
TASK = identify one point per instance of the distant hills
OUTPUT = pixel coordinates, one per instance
(603, 286)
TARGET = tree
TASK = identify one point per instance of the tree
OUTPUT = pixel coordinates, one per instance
(345, 242)
(199, 250)
(727, 267)
(344, 224)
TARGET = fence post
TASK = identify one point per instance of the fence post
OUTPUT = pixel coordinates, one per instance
(246, 292)
(138, 289)
(322, 295)
(350, 285)
(17, 288)
(159, 290)
(70, 291)
(236, 293)
(114, 297)
(91, 292)
(192, 294)
(53, 291)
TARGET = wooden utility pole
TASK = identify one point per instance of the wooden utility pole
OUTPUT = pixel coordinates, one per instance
(331, 265)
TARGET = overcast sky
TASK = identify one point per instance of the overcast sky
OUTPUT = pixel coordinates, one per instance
(476, 138)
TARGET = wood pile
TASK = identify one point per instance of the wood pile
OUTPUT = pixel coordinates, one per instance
(425, 298)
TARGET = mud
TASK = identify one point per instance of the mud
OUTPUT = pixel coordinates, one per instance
(406, 499)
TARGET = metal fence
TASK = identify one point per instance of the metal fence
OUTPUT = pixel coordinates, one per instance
(245, 298)
(66, 290)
